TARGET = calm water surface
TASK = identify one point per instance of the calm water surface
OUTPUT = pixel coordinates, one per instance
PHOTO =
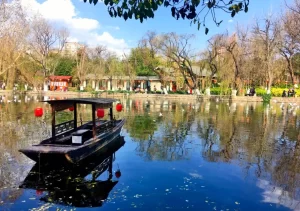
(197, 156)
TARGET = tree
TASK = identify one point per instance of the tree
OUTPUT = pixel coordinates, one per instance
(289, 45)
(176, 49)
(141, 59)
(195, 11)
(112, 67)
(128, 69)
(212, 55)
(268, 38)
(65, 66)
(148, 51)
(296, 63)
(82, 64)
(13, 32)
(44, 39)
(98, 55)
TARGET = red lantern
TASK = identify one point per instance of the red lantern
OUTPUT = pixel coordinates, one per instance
(38, 112)
(119, 107)
(118, 173)
(39, 192)
(71, 108)
(100, 113)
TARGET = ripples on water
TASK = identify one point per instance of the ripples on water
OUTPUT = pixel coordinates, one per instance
(177, 155)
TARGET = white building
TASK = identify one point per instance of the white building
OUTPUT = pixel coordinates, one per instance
(71, 48)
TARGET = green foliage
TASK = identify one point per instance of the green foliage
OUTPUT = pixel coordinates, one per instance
(219, 91)
(72, 89)
(266, 98)
(189, 10)
(260, 91)
(65, 66)
(140, 127)
(143, 63)
(89, 88)
(180, 92)
(275, 92)
(296, 63)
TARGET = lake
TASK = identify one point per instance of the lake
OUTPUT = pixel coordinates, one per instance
(173, 156)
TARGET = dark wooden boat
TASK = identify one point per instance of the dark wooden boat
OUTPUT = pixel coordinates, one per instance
(73, 143)
(70, 184)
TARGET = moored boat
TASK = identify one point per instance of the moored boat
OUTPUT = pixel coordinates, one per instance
(86, 184)
(72, 143)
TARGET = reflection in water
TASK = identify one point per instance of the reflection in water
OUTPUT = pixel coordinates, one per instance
(246, 145)
(261, 139)
(72, 185)
(277, 195)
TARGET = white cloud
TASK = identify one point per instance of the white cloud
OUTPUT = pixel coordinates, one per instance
(81, 29)
(83, 23)
(230, 21)
(114, 27)
(276, 195)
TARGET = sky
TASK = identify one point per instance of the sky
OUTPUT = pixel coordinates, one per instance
(93, 25)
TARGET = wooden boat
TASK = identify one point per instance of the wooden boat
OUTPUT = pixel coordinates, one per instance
(70, 184)
(73, 143)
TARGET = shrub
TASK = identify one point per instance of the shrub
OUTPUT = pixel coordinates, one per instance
(277, 92)
(260, 91)
(266, 98)
(72, 89)
(220, 91)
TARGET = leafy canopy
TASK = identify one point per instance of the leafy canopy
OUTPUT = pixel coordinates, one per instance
(195, 11)
(65, 66)
(142, 61)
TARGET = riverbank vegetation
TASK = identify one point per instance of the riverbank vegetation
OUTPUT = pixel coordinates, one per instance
(264, 54)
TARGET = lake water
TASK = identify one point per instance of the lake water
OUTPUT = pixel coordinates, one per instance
(177, 155)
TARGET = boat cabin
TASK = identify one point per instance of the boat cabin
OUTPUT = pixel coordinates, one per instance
(69, 133)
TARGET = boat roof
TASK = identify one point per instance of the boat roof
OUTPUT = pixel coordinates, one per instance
(65, 103)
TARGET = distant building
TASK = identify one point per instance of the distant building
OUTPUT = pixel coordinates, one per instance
(59, 83)
(71, 48)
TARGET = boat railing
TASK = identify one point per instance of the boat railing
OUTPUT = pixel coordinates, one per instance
(64, 127)
(105, 126)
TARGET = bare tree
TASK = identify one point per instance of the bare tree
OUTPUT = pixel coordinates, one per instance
(82, 64)
(98, 55)
(213, 54)
(13, 32)
(236, 46)
(112, 67)
(129, 70)
(177, 49)
(268, 38)
(289, 45)
(45, 39)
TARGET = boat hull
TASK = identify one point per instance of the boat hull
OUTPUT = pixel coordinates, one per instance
(72, 154)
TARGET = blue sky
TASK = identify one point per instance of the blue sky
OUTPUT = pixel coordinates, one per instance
(121, 35)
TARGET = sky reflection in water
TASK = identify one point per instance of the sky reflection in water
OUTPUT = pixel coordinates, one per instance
(198, 156)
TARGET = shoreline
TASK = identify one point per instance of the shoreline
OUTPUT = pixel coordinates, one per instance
(199, 98)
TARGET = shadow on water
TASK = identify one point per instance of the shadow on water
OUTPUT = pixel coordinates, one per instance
(76, 185)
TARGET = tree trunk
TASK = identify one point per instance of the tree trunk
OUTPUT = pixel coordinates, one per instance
(291, 71)
(270, 80)
(11, 77)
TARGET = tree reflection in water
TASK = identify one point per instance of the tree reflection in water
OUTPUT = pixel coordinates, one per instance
(260, 139)
(264, 139)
